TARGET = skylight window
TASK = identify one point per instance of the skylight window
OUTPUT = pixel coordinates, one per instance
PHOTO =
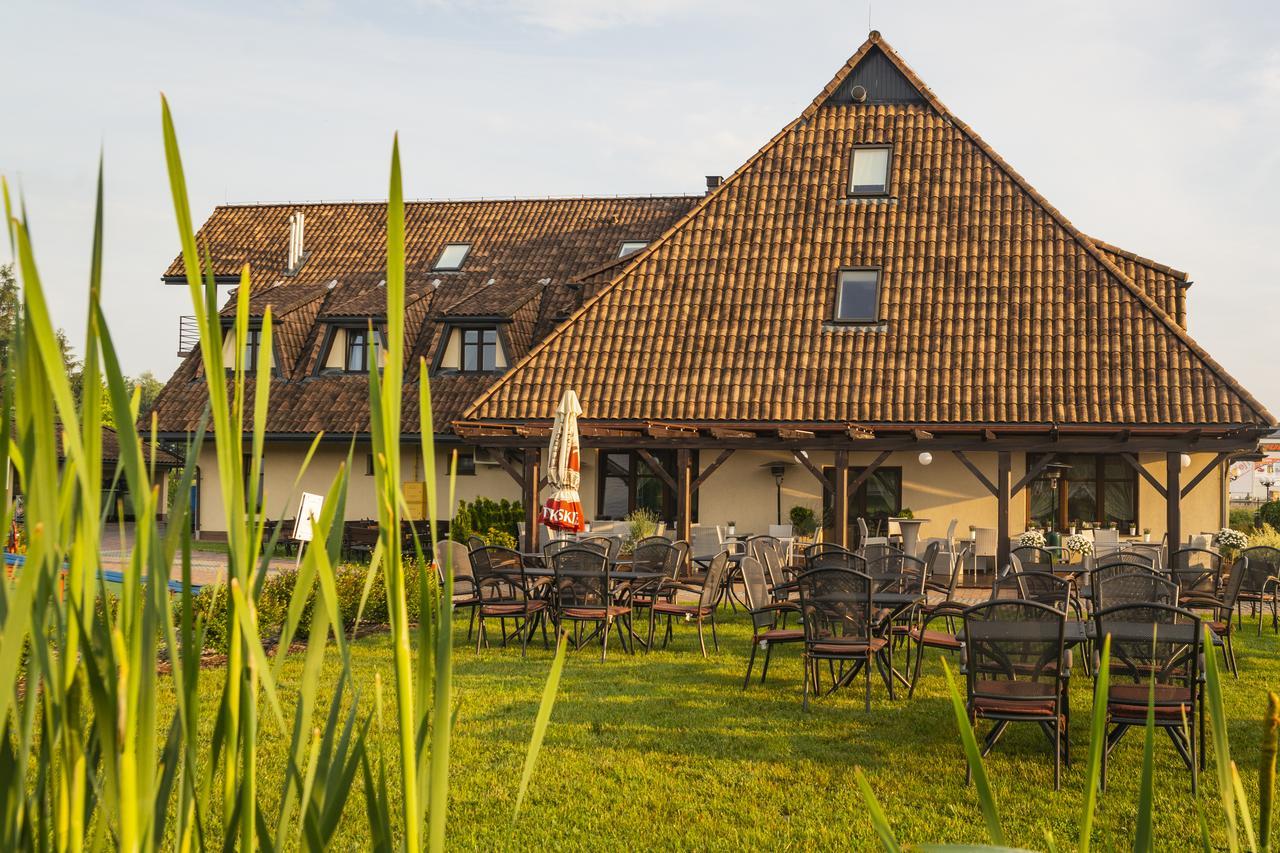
(630, 246)
(869, 170)
(452, 257)
(859, 297)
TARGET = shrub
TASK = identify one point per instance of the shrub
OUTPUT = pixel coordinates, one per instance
(641, 523)
(1241, 519)
(498, 537)
(1269, 514)
(482, 514)
(803, 521)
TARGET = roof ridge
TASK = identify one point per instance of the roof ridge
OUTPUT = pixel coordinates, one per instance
(1139, 259)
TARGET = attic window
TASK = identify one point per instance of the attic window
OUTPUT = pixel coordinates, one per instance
(629, 246)
(362, 347)
(479, 350)
(859, 296)
(869, 170)
(452, 257)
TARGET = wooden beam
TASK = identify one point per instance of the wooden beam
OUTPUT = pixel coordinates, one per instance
(533, 431)
(988, 435)
(787, 434)
(657, 430)
(1034, 471)
(1146, 475)
(710, 469)
(868, 471)
(803, 459)
(1204, 472)
(921, 434)
(507, 465)
(1173, 499)
(841, 508)
(656, 467)
(725, 432)
(859, 433)
(975, 471)
(532, 456)
(684, 493)
(1004, 477)
(607, 432)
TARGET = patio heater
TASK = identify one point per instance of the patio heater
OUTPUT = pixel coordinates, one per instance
(779, 472)
(1053, 473)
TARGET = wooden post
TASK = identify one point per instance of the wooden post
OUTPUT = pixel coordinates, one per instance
(531, 476)
(840, 484)
(1173, 500)
(684, 494)
(1004, 488)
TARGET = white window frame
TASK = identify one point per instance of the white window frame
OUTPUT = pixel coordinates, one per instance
(441, 266)
(876, 190)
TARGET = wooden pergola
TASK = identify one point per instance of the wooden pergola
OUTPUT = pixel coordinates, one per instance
(517, 447)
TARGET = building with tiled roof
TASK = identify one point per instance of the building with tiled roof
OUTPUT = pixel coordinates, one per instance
(875, 312)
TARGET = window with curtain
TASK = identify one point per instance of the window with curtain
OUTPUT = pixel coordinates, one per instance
(1098, 489)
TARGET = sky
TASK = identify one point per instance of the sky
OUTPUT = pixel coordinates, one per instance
(1151, 125)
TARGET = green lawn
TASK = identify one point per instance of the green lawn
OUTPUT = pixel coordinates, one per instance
(665, 749)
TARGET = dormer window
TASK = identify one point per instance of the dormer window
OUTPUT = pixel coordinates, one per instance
(479, 350)
(362, 348)
(252, 349)
(858, 300)
(452, 257)
(869, 170)
(472, 349)
(352, 349)
(630, 246)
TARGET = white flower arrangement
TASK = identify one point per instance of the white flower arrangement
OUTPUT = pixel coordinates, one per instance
(1231, 539)
(1078, 544)
(1031, 539)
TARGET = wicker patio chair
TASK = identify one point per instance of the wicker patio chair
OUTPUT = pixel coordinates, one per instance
(841, 559)
(1017, 670)
(1156, 643)
(765, 612)
(508, 591)
(582, 593)
(840, 627)
(1115, 585)
(1033, 559)
(709, 593)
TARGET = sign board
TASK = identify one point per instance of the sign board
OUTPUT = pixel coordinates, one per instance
(308, 511)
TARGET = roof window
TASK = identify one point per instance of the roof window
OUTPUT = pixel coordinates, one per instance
(859, 297)
(452, 256)
(631, 246)
(869, 170)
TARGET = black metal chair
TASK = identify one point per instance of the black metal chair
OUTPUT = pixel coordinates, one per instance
(1017, 670)
(1155, 660)
(1033, 559)
(1116, 585)
(709, 593)
(507, 591)
(1223, 610)
(842, 559)
(764, 612)
(1040, 587)
(1198, 571)
(1261, 584)
(582, 593)
(453, 557)
(819, 548)
(951, 614)
(840, 627)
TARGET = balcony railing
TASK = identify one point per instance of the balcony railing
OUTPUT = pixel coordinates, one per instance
(188, 335)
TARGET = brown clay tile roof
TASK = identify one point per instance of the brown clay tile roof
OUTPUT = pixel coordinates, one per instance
(994, 308)
(1164, 284)
(111, 450)
(521, 250)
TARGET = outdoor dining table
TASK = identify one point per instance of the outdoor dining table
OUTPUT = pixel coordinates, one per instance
(910, 528)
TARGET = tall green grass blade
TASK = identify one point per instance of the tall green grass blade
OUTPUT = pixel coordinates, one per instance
(1237, 787)
(973, 755)
(1221, 743)
(1097, 743)
(878, 820)
(1143, 839)
(1267, 771)
(541, 721)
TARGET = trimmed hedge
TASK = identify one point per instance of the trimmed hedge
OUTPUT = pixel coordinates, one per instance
(1269, 514)
(482, 516)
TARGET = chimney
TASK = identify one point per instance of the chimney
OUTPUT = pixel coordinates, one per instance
(296, 253)
(714, 181)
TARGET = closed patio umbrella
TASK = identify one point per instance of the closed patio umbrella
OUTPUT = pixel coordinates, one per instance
(563, 510)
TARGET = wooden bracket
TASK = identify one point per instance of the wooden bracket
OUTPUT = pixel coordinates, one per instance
(710, 469)
(1204, 472)
(1146, 475)
(976, 472)
(1034, 472)
(509, 466)
(804, 460)
(868, 471)
(657, 468)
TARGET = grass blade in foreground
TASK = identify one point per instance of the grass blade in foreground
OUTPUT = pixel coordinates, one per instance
(985, 797)
(878, 820)
(544, 717)
(1267, 772)
(1097, 739)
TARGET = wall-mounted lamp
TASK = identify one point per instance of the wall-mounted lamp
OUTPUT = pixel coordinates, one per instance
(1186, 460)
(925, 457)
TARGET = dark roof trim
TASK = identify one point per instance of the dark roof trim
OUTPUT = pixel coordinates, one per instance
(219, 280)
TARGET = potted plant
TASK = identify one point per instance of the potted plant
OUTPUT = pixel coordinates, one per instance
(906, 512)
(1230, 542)
(1078, 545)
(1133, 529)
(1032, 539)
(733, 528)
(803, 521)
(1146, 534)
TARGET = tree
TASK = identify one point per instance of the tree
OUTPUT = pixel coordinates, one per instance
(10, 305)
(150, 388)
